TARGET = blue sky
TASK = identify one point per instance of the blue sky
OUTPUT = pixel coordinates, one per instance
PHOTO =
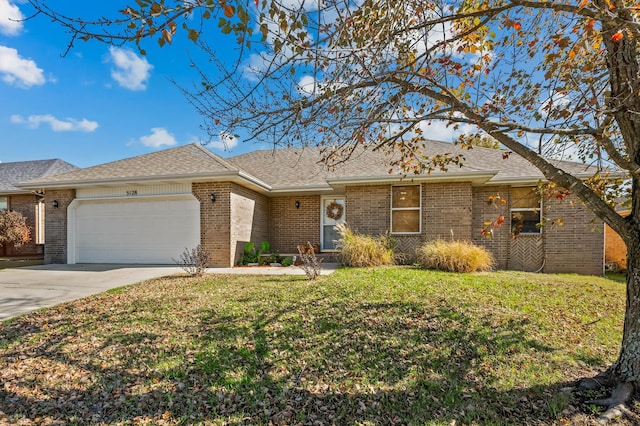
(99, 103)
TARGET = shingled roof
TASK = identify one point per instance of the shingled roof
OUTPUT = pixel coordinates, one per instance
(20, 171)
(290, 170)
(183, 162)
(300, 168)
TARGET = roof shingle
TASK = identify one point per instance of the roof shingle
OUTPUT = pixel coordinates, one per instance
(300, 169)
(181, 161)
(20, 171)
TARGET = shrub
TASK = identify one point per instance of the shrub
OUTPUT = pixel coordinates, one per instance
(13, 229)
(364, 250)
(195, 261)
(454, 256)
(309, 262)
(251, 254)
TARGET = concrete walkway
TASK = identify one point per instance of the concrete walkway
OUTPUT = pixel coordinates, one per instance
(327, 268)
(27, 289)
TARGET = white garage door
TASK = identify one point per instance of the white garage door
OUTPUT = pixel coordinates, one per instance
(135, 231)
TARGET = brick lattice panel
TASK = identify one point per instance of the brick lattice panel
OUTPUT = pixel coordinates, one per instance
(526, 253)
(407, 246)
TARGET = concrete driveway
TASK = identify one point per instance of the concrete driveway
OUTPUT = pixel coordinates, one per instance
(30, 288)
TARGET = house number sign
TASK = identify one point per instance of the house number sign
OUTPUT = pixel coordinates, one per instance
(132, 193)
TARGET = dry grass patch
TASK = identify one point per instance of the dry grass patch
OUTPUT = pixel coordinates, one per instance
(359, 250)
(455, 256)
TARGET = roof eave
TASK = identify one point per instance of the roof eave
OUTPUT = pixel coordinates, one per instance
(474, 177)
(239, 177)
(533, 180)
(4, 192)
(307, 190)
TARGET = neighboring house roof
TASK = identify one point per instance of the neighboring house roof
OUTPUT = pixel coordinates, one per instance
(291, 170)
(188, 162)
(13, 173)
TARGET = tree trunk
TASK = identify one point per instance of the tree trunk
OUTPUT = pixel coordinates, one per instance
(627, 367)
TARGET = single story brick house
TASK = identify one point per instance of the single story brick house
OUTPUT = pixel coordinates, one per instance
(29, 203)
(148, 209)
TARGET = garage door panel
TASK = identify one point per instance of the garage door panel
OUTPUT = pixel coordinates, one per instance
(143, 231)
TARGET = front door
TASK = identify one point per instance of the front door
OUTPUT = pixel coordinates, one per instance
(333, 213)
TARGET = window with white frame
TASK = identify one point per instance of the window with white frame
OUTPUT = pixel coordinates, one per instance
(405, 209)
(4, 204)
(526, 211)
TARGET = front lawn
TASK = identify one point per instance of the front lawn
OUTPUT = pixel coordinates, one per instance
(368, 347)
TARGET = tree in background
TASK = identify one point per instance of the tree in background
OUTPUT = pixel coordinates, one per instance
(13, 229)
(542, 78)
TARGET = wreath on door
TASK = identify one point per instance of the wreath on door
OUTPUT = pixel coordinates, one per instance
(334, 211)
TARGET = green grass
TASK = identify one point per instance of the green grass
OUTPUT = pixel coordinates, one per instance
(391, 345)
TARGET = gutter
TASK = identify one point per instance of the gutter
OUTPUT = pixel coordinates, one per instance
(477, 177)
(528, 180)
(237, 176)
(18, 192)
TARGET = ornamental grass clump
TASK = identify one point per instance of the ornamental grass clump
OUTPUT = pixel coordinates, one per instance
(364, 250)
(454, 256)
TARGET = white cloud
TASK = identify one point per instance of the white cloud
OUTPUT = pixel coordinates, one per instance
(19, 71)
(309, 86)
(225, 142)
(131, 71)
(159, 137)
(256, 65)
(439, 131)
(556, 102)
(10, 18)
(67, 125)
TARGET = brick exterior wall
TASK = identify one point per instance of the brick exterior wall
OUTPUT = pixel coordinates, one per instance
(482, 212)
(447, 211)
(215, 220)
(578, 245)
(445, 207)
(239, 215)
(291, 226)
(575, 247)
(615, 252)
(249, 220)
(55, 249)
(26, 205)
(368, 209)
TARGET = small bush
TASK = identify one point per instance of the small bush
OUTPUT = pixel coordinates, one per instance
(309, 262)
(195, 261)
(13, 229)
(364, 250)
(454, 256)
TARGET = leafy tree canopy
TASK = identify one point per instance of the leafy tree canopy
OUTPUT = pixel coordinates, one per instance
(542, 78)
(535, 76)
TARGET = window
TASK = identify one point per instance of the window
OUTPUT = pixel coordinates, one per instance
(3, 203)
(525, 211)
(405, 209)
